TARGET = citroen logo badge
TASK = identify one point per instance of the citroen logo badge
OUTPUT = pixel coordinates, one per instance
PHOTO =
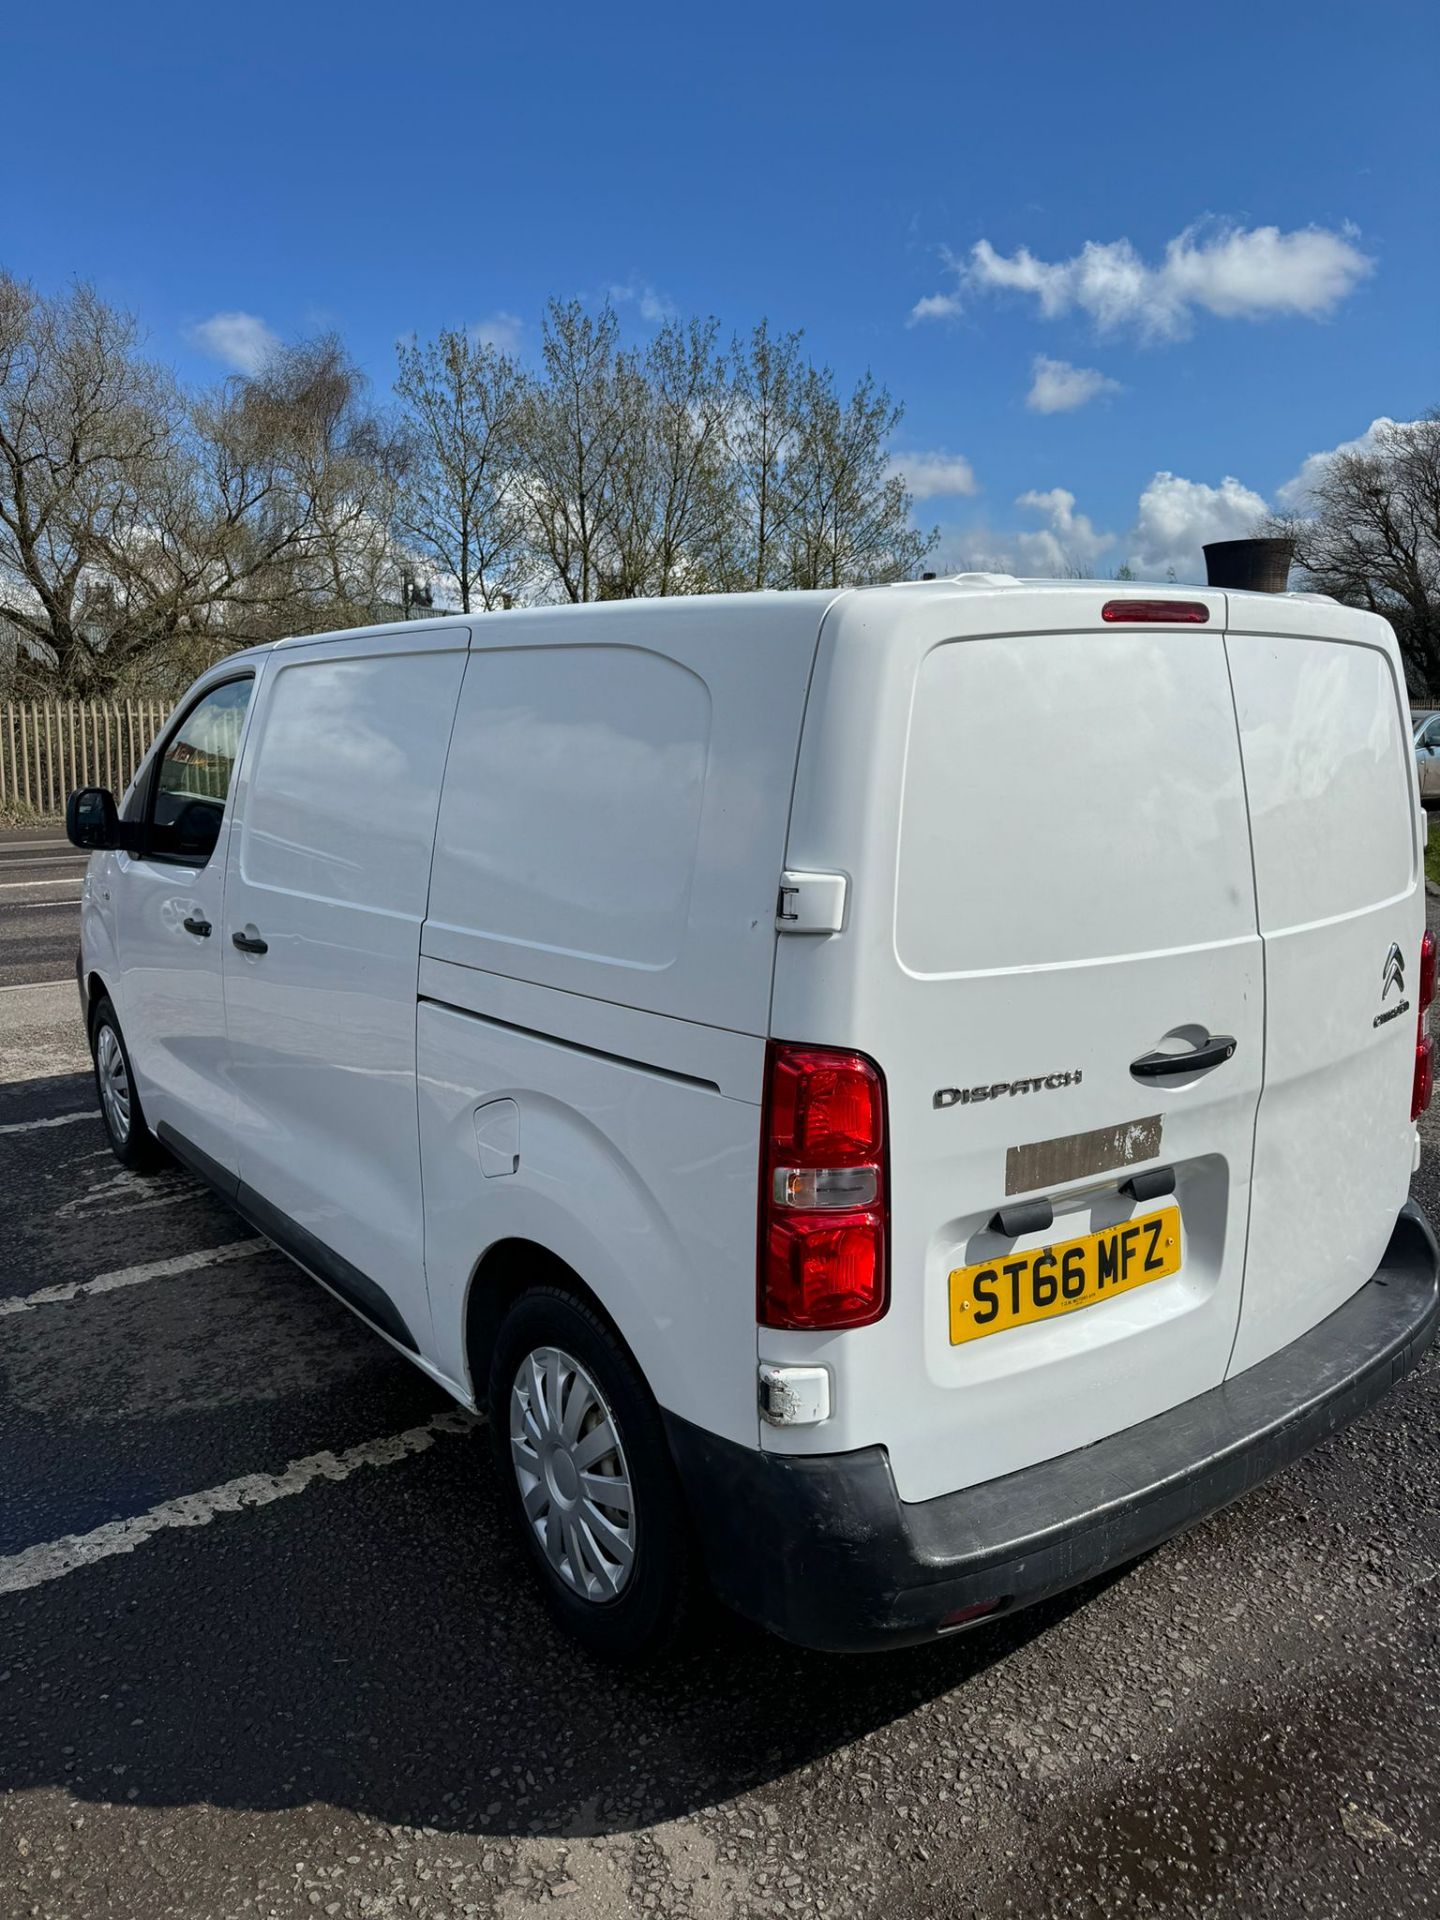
(1394, 974)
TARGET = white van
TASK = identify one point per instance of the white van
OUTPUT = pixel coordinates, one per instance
(901, 1099)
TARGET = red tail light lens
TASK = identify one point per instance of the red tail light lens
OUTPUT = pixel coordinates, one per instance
(1423, 1085)
(1155, 613)
(823, 1206)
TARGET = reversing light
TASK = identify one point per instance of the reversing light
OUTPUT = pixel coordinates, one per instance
(822, 1261)
(1155, 613)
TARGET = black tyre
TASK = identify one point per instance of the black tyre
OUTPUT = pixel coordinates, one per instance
(131, 1140)
(588, 1478)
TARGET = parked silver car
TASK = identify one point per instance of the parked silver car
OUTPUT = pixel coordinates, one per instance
(1427, 756)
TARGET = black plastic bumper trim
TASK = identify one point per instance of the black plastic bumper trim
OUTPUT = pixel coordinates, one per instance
(822, 1551)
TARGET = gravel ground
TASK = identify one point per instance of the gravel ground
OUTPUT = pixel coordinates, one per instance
(328, 1690)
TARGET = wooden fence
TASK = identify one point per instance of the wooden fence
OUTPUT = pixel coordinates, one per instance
(49, 747)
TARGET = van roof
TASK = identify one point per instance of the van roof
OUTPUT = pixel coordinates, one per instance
(817, 598)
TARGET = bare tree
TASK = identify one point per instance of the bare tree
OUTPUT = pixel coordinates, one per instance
(460, 500)
(571, 430)
(767, 379)
(1370, 535)
(88, 438)
(670, 490)
(849, 516)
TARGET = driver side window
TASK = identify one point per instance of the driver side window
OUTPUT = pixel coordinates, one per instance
(191, 783)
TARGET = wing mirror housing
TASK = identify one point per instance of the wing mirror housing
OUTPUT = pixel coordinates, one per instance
(92, 822)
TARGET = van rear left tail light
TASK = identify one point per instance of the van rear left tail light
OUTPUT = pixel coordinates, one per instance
(823, 1259)
(1424, 1083)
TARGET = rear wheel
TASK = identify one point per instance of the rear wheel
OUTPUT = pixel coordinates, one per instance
(588, 1477)
(131, 1140)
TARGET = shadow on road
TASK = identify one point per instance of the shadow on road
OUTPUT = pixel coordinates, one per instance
(373, 1646)
(370, 1643)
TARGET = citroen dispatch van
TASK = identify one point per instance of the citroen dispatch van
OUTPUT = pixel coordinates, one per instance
(892, 1101)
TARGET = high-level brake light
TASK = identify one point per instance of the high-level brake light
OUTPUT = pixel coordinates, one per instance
(824, 1210)
(1155, 613)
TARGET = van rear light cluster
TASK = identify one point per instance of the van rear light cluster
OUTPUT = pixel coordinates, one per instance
(823, 1258)
(1155, 613)
(1424, 1084)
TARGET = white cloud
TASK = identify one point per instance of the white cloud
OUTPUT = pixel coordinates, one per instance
(930, 474)
(1295, 492)
(1222, 269)
(654, 307)
(239, 340)
(501, 330)
(1176, 517)
(1057, 387)
(1070, 543)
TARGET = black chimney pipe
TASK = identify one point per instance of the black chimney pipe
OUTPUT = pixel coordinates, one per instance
(1249, 566)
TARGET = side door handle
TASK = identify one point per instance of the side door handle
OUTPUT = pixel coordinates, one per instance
(249, 941)
(200, 928)
(1169, 1066)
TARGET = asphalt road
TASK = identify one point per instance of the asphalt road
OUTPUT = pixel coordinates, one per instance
(265, 1649)
(40, 875)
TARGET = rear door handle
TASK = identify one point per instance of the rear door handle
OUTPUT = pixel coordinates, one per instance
(249, 942)
(200, 928)
(1169, 1066)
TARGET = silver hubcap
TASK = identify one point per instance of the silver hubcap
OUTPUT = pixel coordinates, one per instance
(114, 1083)
(573, 1475)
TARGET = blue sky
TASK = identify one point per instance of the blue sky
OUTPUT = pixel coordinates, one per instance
(383, 169)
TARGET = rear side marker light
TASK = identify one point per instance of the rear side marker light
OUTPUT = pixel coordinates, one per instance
(1155, 613)
(1423, 1085)
(823, 1260)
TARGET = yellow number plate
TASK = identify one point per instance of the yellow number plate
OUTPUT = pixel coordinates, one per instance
(1046, 1281)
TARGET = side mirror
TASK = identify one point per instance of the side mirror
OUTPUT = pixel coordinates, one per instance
(93, 822)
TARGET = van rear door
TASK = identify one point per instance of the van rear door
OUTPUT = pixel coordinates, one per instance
(1042, 816)
(1334, 822)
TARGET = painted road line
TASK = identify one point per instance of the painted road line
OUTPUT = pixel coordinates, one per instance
(134, 1276)
(35, 1565)
(37, 986)
(60, 1120)
(45, 880)
(29, 906)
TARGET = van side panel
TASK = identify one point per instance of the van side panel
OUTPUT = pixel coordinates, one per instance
(613, 822)
(637, 1175)
(1330, 775)
(335, 822)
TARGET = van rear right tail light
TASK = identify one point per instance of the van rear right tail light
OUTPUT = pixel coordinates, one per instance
(823, 1256)
(1424, 1083)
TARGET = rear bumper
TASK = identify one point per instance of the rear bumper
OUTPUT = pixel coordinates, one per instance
(822, 1550)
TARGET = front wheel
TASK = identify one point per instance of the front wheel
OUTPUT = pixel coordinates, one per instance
(588, 1477)
(131, 1140)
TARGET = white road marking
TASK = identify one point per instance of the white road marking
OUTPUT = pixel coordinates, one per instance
(134, 1276)
(35, 1565)
(29, 906)
(34, 986)
(46, 880)
(60, 1120)
(37, 846)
